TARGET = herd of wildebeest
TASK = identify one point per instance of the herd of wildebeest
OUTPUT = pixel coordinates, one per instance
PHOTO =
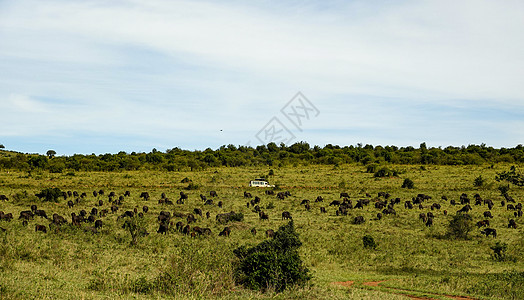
(186, 221)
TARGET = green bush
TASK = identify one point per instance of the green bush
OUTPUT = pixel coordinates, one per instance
(369, 242)
(408, 184)
(192, 186)
(479, 181)
(503, 189)
(273, 264)
(385, 172)
(460, 226)
(50, 194)
(499, 251)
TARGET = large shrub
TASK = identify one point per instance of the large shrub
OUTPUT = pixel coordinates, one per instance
(273, 264)
(460, 226)
(50, 194)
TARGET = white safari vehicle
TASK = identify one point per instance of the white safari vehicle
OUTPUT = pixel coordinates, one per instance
(259, 183)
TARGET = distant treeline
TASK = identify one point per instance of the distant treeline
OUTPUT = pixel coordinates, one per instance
(269, 155)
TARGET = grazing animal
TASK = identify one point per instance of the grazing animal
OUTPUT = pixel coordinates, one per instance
(208, 215)
(483, 223)
(213, 194)
(344, 195)
(209, 202)
(518, 214)
(422, 216)
(270, 233)
(489, 231)
(40, 228)
(379, 216)
(323, 210)
(163, 228)
(263, 215)
(253, 231)
(247, 195)
(510, 207)
(4, 198)
(319, 199)
(286, 215)
(197, 211)
(429, 222)
(464, 209)
(307, 207)
(512, 224)
(408, 205)
(190, 218)
(334, 202)
(487, 214)
(220, 204)
(225, 232)
(98, 224)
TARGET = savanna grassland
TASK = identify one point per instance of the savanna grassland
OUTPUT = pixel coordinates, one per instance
(410, 258)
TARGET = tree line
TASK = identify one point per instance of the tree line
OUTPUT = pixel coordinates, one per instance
(300, 153)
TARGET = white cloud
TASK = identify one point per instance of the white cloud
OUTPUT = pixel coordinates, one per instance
(155, 68)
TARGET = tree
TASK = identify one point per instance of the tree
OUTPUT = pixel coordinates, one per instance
(51, 153)
(2, 146)
(272, 264)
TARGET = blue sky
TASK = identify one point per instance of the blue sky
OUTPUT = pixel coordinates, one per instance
(109, 76)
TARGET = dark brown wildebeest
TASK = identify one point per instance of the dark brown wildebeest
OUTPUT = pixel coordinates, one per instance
(40, 228)
(487, 214)
(380, 204)
(257, 199)
(510, 207)
(75, 194)
(502, 203)
(408, 205)
(489, 231)
(225, 232)
(518, 214)
(220, 204)
(114, 208)
(100, 202)
(319, 199)
(389, 211)
(344, 195)
(263, 216)
(509, 198)
(379, 216)
(435, 206)
(444, 198)
(518, 206)
(6, 217)
(58, 219)
(95, 194)
(163, 196)
(203, 198)
(179, 226)
(208, 215)
(368, 195)
(445, 212)
(104, 212)
(269, 192)
(127, 194)
(26, 215)
(163, 228)
(33, 208)
(483, 223)
(213, 194)
(98, 224)
(64, 195)
(197, 211)
(112, 194)
(358, 220)
(144, 195)
(94, 211)
(209, 202)
(323, 210)
(341, 211)
(70, 204)
(190, 218)
(464, 209)
(197, 230)
(305, 201)
(253, 231)
(429, 222)
(145, 209)
(91, 219)
(452, 202)
(183, 196)
(101, 192)
(206, 231)
(270, 233)
(83, 195)
(187, 229)
(247, 195)
(430, 214)
(422, 216)
(4, 198)
(286, 215)
(83, 213)
(334, 202)
(512, 224)
(307, 206)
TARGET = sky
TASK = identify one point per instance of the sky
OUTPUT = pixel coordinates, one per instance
(96, 76)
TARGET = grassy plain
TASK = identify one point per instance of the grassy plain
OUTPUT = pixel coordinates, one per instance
(410, 258)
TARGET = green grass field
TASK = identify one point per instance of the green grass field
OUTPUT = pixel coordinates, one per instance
(410, 258)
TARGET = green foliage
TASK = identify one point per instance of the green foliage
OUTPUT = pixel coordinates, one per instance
(192, 186)
(408, 184)
(273, 264)
(499, 251)
(270, 205)
(371, 168)
(271, 173)
(50, 194)
(503, 189)
(369, 242)
(385, 172)
(460, 226)
(479, 181)
(511, 176)
(185, 180)
(136, 228)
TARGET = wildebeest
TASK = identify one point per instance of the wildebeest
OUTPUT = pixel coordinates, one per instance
(6, 217)
(253, 231)
(220, 204)
(435, 206)
(91, 219)
(179, 226)
(94, 211)
(323, 210)
(203, 198)
(422, 216)
(213, 194)
(270, 233)
(305, 201)
(512, 224)
(518, 214)
(40, 228)
(319, 199)
(163, 228)
(186, 230)
(286, 215)
(489, 231)
(114, 208)
(269, 192)
(263, 215)
(430, 214)
(26, 214)
(208, 215)
(358, 220)
(344, 195)
(197, 211)
(247, 195)
(209, 202)
(98, 224)
(145, 209)
(379, 216)
(225, 232)
(487, 214)
(483, 223)
(510, 207)
(127, 194)
(429, 222)
(183, 196)
(307, 206)
(389, 211)
(95, 194)
(4, 198)
(408, 205)
(190, 218)
(464, 209)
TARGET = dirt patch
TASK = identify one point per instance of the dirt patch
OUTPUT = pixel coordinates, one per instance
(373, 283)
(344, 283)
